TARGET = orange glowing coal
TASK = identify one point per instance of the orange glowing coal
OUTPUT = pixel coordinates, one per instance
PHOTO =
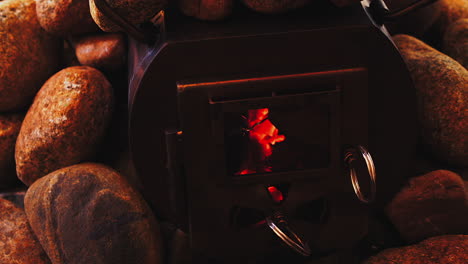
(263, 135)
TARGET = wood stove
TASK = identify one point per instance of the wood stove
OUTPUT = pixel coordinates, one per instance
(252, 135)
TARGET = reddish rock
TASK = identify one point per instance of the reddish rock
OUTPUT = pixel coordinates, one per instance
(134, 11)
(274, 6)
(456, 41)
(9, 128)
(88, 213)
(65, 123)
(64, 17)
(106, 52)
(450, 11)
(18, 245)
(207, 9)
(432, 204)
(442, 90)
(28, 54)
(451, 249)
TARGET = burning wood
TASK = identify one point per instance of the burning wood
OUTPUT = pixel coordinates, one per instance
(263, 135)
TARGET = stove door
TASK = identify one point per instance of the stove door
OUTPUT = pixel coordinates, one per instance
(242, 136)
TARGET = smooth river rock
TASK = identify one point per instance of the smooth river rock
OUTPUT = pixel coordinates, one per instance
(88, 213)
(18, 245)
(134, 11)
(65, 17)
(65, 123)
(456, 41)
(29, 55)
(451, 249)
(429, 205)
(442, 89)
(104, 51)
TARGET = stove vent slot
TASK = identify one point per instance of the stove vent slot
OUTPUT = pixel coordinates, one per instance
(268, 87)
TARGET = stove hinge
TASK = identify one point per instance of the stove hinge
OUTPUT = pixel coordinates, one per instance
(175, 181)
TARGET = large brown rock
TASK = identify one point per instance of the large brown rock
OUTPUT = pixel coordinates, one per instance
(450, 11)
(28, 54)
(207, 9)
(88, 213)
(456, 41)
(442, 90)
(106, 51)
(9, 128)
(451, 249)
(134, 11)
(18, 245)
(64, 17)
(432, 204)
(274, 6)
(65, 123)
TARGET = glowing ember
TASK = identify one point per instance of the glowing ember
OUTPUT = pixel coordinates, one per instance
(276, 194)
(262, 136)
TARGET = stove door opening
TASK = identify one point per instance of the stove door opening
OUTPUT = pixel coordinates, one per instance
(277, 139)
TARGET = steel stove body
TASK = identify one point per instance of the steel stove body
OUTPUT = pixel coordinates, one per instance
(327, 82)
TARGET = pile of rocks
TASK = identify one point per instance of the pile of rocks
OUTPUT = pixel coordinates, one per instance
(59, 79)
(434, 205)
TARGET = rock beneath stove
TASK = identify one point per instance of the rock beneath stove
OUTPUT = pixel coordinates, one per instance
(452, 249)
(432, 204)
(65, 17)
(18, 245)
(106, 52)
(65, 123)
(88, 213)
(134, 11)
(28, 54)
(274, 6)
(207, 9)
(9, 128)
(442, 90)
(456, 41)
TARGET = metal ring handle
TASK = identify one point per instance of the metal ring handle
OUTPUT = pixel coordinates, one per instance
(349, 159)
(277, 222)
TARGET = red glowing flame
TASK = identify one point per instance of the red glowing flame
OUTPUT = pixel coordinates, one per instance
(276, 194)
(263, 135)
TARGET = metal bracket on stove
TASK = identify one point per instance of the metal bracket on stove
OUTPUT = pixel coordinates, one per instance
(381, 13)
